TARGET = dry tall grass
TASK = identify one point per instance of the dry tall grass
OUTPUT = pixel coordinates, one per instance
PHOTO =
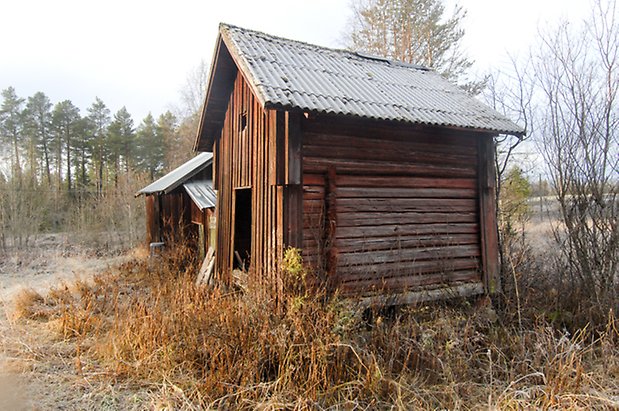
(148, 323)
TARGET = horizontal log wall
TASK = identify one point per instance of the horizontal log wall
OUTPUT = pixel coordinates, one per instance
(390, 208)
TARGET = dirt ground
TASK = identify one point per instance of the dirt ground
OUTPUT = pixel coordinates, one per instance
(34, 371)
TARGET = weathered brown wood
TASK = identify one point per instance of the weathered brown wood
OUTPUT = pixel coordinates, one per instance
(377, 150)
(409, 229)
(293, 160)
(394, 269)
(392, 192)
(280, 147)
(397, 243)
(407, 254)
(240, 157)
(295, 194)
(412, 297)
(331, 211)
(372, 167)
(405, 204)
(487, 214)
(384, 218)
(313, 180)
(408, 282)
(388, 131)
(398, 181)
(373, 203)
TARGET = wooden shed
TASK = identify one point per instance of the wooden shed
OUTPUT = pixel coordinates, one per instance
(181, 204)
(381, 172)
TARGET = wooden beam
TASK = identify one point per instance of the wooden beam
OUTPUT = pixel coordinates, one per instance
(487, 216)
(293, 172)
(294, 169)
(331, 225)
(419, 296)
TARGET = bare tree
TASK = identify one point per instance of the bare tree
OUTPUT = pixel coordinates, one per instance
(577, 74)
(194, 90)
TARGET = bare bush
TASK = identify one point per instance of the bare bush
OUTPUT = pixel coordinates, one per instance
(112, 221)
(23, 212)
(577, 74)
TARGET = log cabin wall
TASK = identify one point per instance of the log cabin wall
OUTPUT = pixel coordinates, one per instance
(392, 207)
(245, 158)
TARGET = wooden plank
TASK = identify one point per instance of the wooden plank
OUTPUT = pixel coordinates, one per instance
(331, 212)
(294, 164)
(397, 243)
(408, 282)
(313, 179)
(295, 193)
(406, 204)
(394, 269)
(388, 131)
(487, 214)
(280, 134)
(399, 192)
(395, 181)
(395, 230)
(380, 151)
(372, 167)
(407, 254)
(386, 218)
(422, 296)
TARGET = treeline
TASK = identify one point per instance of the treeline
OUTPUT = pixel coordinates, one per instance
(55, 145)
(61, 167)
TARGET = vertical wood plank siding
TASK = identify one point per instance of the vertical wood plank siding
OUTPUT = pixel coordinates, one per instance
(246, 156)
(153, 226)
(404, 200)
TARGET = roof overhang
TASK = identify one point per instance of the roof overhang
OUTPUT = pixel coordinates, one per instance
(221, 82)
(178, 176)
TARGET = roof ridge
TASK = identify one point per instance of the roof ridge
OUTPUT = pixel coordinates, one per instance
(359, 54)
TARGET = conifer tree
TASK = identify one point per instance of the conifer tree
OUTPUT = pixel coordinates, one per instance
(11, 126)
(37, 122)
(413, 31)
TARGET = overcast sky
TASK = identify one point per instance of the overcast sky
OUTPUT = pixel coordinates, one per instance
(139, 53)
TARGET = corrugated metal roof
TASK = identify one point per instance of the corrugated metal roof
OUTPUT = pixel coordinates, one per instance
(179, 175)
(202, 193)
(290, 74)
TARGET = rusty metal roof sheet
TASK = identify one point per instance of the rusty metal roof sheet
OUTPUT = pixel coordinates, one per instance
(179, 175)
(294, 75)
(202, 193)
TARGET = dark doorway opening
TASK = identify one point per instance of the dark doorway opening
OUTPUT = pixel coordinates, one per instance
(242, 229)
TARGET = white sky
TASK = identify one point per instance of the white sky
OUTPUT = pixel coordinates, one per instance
(139, 53)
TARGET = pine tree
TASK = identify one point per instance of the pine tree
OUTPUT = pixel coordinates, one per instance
(151, 147)
(98, 120)
(11, 126)
(120, 143)
(82, 153)
(65, 128)
(174, 153)
(415, 32)
(38, 117)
